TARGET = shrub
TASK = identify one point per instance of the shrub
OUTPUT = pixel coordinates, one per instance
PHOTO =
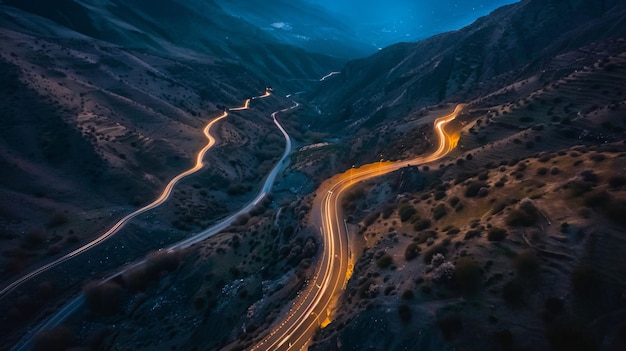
(387, 212)
(542, 171)
(467, 275)
(597, 199)
(368, 289)
(496, 234)
(453, 231)
(525, 215)
(589, 176)
(439, 211)
(370, 219)
(473, 188)
(425, 236)
(472, 233)
(422, 224)
(577, 187)
(160, 261)
(428, 255)
(443, 272)
(411, 251)
(405, 212)
(440, 195)
(454, 201)
(385, 261)
(483, 192)
(617, 181)
(598, 157)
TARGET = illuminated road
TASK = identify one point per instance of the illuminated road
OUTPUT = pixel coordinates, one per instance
(122, 222)
(329, 75)
(313, 306)
(73, 305)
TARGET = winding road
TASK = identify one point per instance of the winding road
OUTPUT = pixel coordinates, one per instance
(70, 307)
(167, 191)
(313, 307)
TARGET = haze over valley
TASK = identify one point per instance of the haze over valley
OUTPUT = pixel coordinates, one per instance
(286, 175)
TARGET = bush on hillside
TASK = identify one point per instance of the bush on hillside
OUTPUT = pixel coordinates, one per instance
(405, 212)
(617, 181)
(412, 251)
(526, 215)
(439, 211)
(467, 275)
(496, 234)
(385, 261)
(473, 188)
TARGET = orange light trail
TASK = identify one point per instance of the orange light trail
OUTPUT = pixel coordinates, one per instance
(167, 191)
(313, 307)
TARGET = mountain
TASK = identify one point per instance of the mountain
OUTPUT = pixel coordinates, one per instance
(310, 27)
(183, 28)
(511, 241)
(103, 102)
(513, 42)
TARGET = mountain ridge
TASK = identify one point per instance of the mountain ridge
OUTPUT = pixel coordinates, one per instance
(176, 28)
(458, 65)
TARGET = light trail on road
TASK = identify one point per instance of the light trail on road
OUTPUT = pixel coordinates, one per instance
(73, 305)
(312, 308)
(157, 202)
(329, 75)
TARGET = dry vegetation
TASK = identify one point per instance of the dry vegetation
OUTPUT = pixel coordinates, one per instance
(516, 241)
(514, 245)
(91, 132)
(234, 284)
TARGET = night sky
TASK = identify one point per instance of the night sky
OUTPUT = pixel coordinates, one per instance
(412, 19)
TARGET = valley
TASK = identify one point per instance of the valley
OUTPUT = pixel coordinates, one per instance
(465, 191)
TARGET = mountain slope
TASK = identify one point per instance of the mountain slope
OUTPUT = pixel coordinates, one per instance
(185, 28)
(303, 25)
(511, 43)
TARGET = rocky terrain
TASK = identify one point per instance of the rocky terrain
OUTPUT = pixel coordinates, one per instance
(514, 241)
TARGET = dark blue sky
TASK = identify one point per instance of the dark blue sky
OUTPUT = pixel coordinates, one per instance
(412, 19)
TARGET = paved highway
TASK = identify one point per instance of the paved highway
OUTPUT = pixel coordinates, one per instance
(313, 307)
(122, 222)
(70, 307)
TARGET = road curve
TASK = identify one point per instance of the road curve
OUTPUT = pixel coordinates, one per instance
(157, 202)
(70, 307)
(313, 306)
